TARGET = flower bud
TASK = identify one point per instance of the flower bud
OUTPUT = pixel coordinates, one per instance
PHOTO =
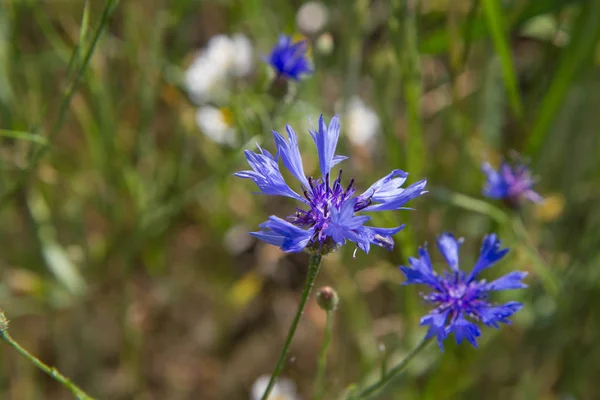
(327, 298)
(3, 322)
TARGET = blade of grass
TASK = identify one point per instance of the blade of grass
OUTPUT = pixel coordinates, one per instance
(578, 52)
(494, 18)
(85, 22)
(403, 29)
(36, 156)
(470, 203)
(5, 56)
(55, 256)
(438, 41)
(404, 35)
(32, 137)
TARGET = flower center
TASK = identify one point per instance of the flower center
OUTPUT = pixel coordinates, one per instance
(322, 198)
(456, 295)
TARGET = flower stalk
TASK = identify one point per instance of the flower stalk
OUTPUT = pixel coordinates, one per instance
(369, 391)
(313, 270)
(328, 300)
(51, 371)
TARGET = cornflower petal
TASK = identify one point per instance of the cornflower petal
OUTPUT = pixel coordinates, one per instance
(437, 326)
(281, 233)
(266, 175)
(421, 270)
(533, 196)
(464, 329)
(448, 246)
(378, 236)
(401, 197)
(512, 280)
(492, 315)
(289, 151)
(344, 224)
(489, 254)
(386, 188)
(326, 140)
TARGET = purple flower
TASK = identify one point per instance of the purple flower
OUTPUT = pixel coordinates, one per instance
(328, 217)
(289, 59)
(460, 299)
(510, 183)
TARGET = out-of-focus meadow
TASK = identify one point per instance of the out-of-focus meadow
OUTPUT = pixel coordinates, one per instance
(126, 261)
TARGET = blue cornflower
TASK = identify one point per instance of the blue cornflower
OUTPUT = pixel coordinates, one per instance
(289, 59)
(459, 297)
(510, 183)
(328, 217)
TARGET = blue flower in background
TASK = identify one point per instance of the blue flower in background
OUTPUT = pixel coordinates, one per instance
(509, 183)
(328, 217)
(289, 59)
(460, 299)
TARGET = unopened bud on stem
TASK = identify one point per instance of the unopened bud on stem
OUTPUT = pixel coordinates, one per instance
(327, 298)
(3, 322)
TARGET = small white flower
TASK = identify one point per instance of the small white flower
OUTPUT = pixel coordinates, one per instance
(221, 51)
(284, 389)
(312, 17)
(204, 79)
(207, 78)
(362, 123)
(216, 124)
(243, 56)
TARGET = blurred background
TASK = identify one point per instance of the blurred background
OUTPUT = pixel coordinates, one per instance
(126, 260)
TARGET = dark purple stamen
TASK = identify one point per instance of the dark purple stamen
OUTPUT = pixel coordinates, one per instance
(322, 198)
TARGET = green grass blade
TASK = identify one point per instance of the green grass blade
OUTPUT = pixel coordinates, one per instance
(36, 156)
(32, 137)
(85, 23)
(469, 203)
(494, 18)
(439, 40)
(580, 49)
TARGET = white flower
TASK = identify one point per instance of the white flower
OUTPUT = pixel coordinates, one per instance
(312, 17)
(243, 55)
(362, 123)
(204, 79)
(220, 51)
(284, 389)
(207, 78)
(216, 124)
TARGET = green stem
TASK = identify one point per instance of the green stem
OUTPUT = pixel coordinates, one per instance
(53, 372)
(547, 276)
(391, 375)
(322, 363)
(313, 270)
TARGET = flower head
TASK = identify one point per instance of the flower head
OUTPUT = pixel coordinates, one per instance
(460, 299)
(328, 217)
(216, 124)
(284, 389)
(363, 121)
(208, 78)
(510, 183)
(289, 58)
